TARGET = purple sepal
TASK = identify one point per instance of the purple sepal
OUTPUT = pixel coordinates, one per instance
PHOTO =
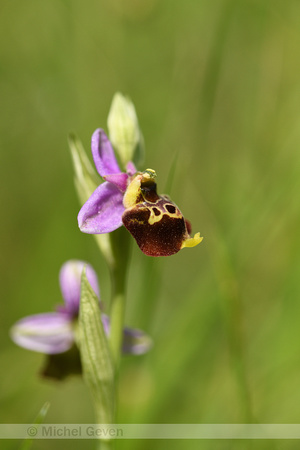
(48, 333)
(103, 154)
(70, 282)
(102, 212)
(135, 342)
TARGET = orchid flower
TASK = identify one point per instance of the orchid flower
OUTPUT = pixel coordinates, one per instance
(130, 199)
(54, 332)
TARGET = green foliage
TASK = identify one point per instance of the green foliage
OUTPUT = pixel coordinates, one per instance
(40, 418)
(216, 83)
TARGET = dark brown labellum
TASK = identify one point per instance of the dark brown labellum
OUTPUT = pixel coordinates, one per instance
(159, 238)
(156, 223)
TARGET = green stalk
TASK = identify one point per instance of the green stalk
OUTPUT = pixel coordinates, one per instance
(120, 240)
(105, 444)
(117, 313)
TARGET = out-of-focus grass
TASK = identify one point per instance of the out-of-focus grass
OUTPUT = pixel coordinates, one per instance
(217, 83)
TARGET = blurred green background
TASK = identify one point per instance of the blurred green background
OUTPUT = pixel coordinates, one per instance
(216, 83)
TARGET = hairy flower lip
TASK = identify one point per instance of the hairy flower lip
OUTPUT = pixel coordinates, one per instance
(155, 222)
(53, 332)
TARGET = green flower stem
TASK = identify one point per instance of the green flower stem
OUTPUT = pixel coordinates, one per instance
(105, 444)
(117, 312)
(120, 241)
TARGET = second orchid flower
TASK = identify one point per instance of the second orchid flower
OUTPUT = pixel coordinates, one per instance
(54, 332)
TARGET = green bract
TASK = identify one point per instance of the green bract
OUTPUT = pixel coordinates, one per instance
(97, 365)
(124, 130)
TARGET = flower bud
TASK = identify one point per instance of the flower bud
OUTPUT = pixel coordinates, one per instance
(124, 131)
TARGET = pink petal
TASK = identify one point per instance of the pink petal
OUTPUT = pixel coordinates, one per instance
(118, 179)
(130, 168)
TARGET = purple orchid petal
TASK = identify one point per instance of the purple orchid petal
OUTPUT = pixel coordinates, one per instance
(48, 333)
(130, 168)
(135, 342)
(118, 179)
(70, 282)
(103, 154)
(102, 212)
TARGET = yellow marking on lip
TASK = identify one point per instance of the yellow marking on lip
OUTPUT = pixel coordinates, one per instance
(177, 214)
(192, 242)
(153, 218)
(157, 218)
(138, 222)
